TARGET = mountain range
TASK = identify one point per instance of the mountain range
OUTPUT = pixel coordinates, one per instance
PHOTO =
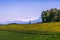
(20, 21)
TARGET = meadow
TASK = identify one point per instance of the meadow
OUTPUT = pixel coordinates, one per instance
(41, 31)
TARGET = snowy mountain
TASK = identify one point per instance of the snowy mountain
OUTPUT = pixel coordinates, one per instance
(20, 21)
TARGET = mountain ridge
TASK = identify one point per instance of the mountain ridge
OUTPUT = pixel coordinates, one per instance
(20, 21)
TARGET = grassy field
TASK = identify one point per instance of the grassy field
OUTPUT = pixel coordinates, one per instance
(42, 31)
(7, 35)
(54, 27)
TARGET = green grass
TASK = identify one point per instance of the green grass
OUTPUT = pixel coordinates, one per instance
(43, 31)
(8, 35)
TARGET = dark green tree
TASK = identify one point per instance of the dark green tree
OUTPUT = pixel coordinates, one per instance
(52, 15)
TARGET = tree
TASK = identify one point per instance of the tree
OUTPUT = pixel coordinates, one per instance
(52, 15)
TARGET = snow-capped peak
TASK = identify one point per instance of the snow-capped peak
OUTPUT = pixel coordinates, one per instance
(18, 19)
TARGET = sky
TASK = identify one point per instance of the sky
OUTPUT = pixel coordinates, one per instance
(25, 9)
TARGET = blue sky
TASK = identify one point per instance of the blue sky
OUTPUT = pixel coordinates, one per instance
(20, 9)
